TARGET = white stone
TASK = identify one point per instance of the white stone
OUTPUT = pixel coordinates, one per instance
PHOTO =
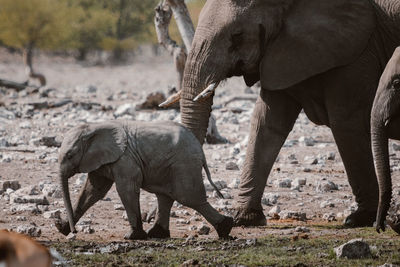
(307, 141)
(274, 210)
(330, 217)
(53, 214)
(125, 109)
(29, 230)
(324, 186)
(326, 203)
(270, 198)
(295, 215)
(119, 207)
(284, 183)
(302, 229)
(354, 249)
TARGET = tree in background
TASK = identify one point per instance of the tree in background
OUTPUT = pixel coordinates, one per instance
(133, 25)
(34, 24)
(93, 23)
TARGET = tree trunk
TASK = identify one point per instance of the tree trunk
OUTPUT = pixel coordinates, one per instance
(164, 12)
(28, 60)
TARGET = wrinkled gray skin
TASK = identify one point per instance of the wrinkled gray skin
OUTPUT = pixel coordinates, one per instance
(322, 56)
(385, 124)
(162, 158)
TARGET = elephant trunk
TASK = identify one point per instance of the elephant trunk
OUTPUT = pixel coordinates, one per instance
(67, 202)
(382, 166)
(195, 115)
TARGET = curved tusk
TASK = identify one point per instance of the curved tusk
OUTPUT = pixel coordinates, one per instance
(171, 100)
(207, 92)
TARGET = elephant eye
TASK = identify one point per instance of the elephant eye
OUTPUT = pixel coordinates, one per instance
(396, 83)
(237, 40)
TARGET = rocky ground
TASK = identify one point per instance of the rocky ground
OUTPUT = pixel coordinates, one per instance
(307, 186)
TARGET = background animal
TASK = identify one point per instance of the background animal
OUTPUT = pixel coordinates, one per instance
(321, 56)
(385, 124)
(163, 158)
(17, 250)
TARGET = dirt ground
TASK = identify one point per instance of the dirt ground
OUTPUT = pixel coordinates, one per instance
(96, 92)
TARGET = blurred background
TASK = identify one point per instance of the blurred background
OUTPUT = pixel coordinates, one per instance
(108, 31)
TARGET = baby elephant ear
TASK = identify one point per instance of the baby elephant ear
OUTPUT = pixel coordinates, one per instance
(102, 144)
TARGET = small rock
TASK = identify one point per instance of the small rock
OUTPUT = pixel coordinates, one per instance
(396, 147)
(302, 229)
(49, 141)
(71, 237)
(308, 141)
(31, 190)
(54, 214)
(182, 221)
(125, 109)
(81, 179)
(269, 199)
(14, 185)
(232, 166)
(31, 208)
(285, 183)
(152, 101)
(21, 218)
(119, 207)
(274, 211)
(354, 249)
(86, 229)
(86, 89)
(251, 242)
(327, 203)
(310, 160)
(295, 215)
(29, 230)
(324, 186)
(203, 230)
(235, 183)
(22, 199)
(330, 217)
(191, 262)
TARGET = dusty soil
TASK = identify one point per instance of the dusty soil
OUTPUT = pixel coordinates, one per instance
(22, 122)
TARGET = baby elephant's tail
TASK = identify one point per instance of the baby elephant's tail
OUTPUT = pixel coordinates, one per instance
(211, 182)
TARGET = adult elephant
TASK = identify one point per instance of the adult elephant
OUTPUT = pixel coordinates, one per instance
(323, 56)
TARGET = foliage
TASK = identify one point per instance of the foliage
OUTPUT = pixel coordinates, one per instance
(41, 23)
(84, 25)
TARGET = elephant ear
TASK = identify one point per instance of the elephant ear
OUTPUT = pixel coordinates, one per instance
(103, 144)
(316, 36)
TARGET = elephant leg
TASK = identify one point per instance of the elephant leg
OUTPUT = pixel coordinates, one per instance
(96, 188)
(273, 118)
(160, 229)
(222, 224)
(355, 149)
(129, 194)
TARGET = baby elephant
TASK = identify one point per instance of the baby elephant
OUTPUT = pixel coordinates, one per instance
(385, 124)
(162, 158)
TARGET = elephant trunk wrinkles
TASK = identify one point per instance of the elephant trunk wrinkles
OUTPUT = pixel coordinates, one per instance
(382, 165)
(195, 115)
(67, 202)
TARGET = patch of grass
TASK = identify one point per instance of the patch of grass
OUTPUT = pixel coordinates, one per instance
(267, 251)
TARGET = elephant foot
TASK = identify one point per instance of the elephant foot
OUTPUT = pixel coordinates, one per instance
(157, 231)
(224, 228)
(136, 235)
(249, 217)
(63, 227)
(395, 224)
(360, 218)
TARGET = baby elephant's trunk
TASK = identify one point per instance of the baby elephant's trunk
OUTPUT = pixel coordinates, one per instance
(211, 182)
(67, 202)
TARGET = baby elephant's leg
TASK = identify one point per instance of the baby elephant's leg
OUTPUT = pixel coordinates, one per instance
(129, 195)
(222, 224)
(160, 229)
(190, 191)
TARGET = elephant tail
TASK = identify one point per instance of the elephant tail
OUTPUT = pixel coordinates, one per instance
(211, 182)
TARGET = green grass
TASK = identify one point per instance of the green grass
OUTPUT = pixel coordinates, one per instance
(268, 251)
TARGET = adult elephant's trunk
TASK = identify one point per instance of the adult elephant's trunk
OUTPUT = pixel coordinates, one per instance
(67, 202)
(195, 115)
(381, 159)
